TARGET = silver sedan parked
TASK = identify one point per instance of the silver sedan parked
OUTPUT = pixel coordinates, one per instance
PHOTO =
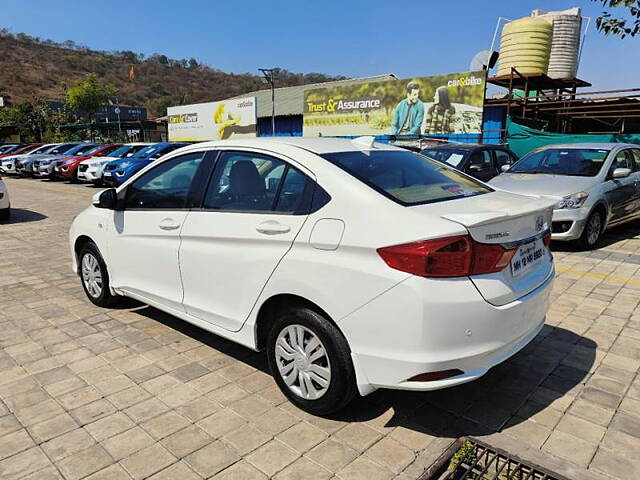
(596, 186)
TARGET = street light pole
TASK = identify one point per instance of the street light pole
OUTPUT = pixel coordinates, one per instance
(269, 77)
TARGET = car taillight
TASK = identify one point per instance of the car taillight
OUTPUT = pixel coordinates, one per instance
(546, 239)
(456, 256)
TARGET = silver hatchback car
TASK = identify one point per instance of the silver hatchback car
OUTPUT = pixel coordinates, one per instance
(595, 185)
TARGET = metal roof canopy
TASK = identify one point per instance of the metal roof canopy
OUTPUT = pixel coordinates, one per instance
(290, 100)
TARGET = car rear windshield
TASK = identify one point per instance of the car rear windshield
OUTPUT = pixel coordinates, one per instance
(450, 156)
(406, 177)
(578, 162)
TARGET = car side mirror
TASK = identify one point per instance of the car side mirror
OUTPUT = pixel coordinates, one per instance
(475, 168)
(505, 168)
(107, 199)
(621, 173)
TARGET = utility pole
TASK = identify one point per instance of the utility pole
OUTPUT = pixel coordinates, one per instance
(269, 78)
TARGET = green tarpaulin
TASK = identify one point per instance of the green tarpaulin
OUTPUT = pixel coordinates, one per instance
(523, 139)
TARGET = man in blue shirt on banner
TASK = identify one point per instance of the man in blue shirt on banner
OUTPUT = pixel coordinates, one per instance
(409, 113)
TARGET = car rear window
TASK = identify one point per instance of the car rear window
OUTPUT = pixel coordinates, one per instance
(406, 177)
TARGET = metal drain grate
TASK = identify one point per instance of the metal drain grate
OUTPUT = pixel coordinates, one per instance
(474, 460)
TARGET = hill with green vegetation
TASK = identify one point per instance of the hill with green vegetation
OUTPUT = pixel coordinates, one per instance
(30, 66)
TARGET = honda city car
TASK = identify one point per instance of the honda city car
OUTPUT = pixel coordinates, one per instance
(354, 265)
(91, 170)
(68, 169)
(119, 171)
(595, 186)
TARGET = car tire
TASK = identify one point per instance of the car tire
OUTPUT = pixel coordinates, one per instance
(320, 381)
(95, 277)
(592, 231)
(5, 214)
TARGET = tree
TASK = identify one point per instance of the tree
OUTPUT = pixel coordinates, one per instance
(626, 24)
(88, 95)
(34, 119)
(193, 63)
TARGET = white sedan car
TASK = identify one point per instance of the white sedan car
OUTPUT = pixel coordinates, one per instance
(355, 265)
(5, 204)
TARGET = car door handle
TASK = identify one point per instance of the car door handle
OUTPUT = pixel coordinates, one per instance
(168, 224)
(272, 227)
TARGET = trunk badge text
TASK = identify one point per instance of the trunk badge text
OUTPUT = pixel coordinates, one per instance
(492, 236)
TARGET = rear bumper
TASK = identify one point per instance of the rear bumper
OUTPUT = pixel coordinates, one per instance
(568, 225)
(422, 326)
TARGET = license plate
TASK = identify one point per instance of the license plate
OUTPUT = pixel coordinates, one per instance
(56, 169)
(527, 257)
(107, 174)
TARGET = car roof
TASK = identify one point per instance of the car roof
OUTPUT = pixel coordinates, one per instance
(597, 146)
(317, 145)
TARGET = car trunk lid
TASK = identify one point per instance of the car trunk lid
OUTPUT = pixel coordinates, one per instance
(515, 222)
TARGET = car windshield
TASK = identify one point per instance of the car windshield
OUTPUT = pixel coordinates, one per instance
(40, 149)
(7, 148)
(85, 149)
(450, 156)
(147, 151)
(57, 150)
(406, 177)
(126, 151)
(579, 162)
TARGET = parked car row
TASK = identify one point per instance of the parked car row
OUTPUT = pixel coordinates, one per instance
(595, 185)
(110, 164)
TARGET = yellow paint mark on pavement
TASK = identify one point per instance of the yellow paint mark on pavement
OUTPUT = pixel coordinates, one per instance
(602, 276)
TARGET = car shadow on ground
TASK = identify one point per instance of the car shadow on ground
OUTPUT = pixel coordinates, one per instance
(553, 365)
(613, 235)
(22, 215)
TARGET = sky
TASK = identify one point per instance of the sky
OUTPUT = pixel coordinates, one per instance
(353, 38)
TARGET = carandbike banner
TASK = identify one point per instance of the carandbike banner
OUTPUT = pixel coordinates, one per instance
(212, 121)
(436, 105)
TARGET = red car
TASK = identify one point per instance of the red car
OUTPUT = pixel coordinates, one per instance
(23, 149)
(67, 168)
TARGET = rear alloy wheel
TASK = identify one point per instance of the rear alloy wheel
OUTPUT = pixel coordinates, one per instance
(310, 361)
(592, 231)
(94, 276)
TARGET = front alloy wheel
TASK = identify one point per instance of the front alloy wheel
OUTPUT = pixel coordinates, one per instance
(592, 231)
(94, 276)
(91, 275)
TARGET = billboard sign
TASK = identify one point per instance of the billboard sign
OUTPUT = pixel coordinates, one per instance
(436, 105)
(213, 121)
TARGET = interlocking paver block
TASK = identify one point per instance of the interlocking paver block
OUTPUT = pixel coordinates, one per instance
(212, 459)
(85, 463)
(148, 461)
(332, 455)
(186, 441)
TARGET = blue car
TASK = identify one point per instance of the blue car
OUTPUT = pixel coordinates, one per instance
(119, 171)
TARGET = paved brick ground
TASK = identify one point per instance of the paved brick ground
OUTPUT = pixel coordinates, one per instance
(134, 393)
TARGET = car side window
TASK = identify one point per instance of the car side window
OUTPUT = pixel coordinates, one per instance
(635, 152)
(481, 159)
(503, 158)
(165, 186)
(252, 182)
(622, 159)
